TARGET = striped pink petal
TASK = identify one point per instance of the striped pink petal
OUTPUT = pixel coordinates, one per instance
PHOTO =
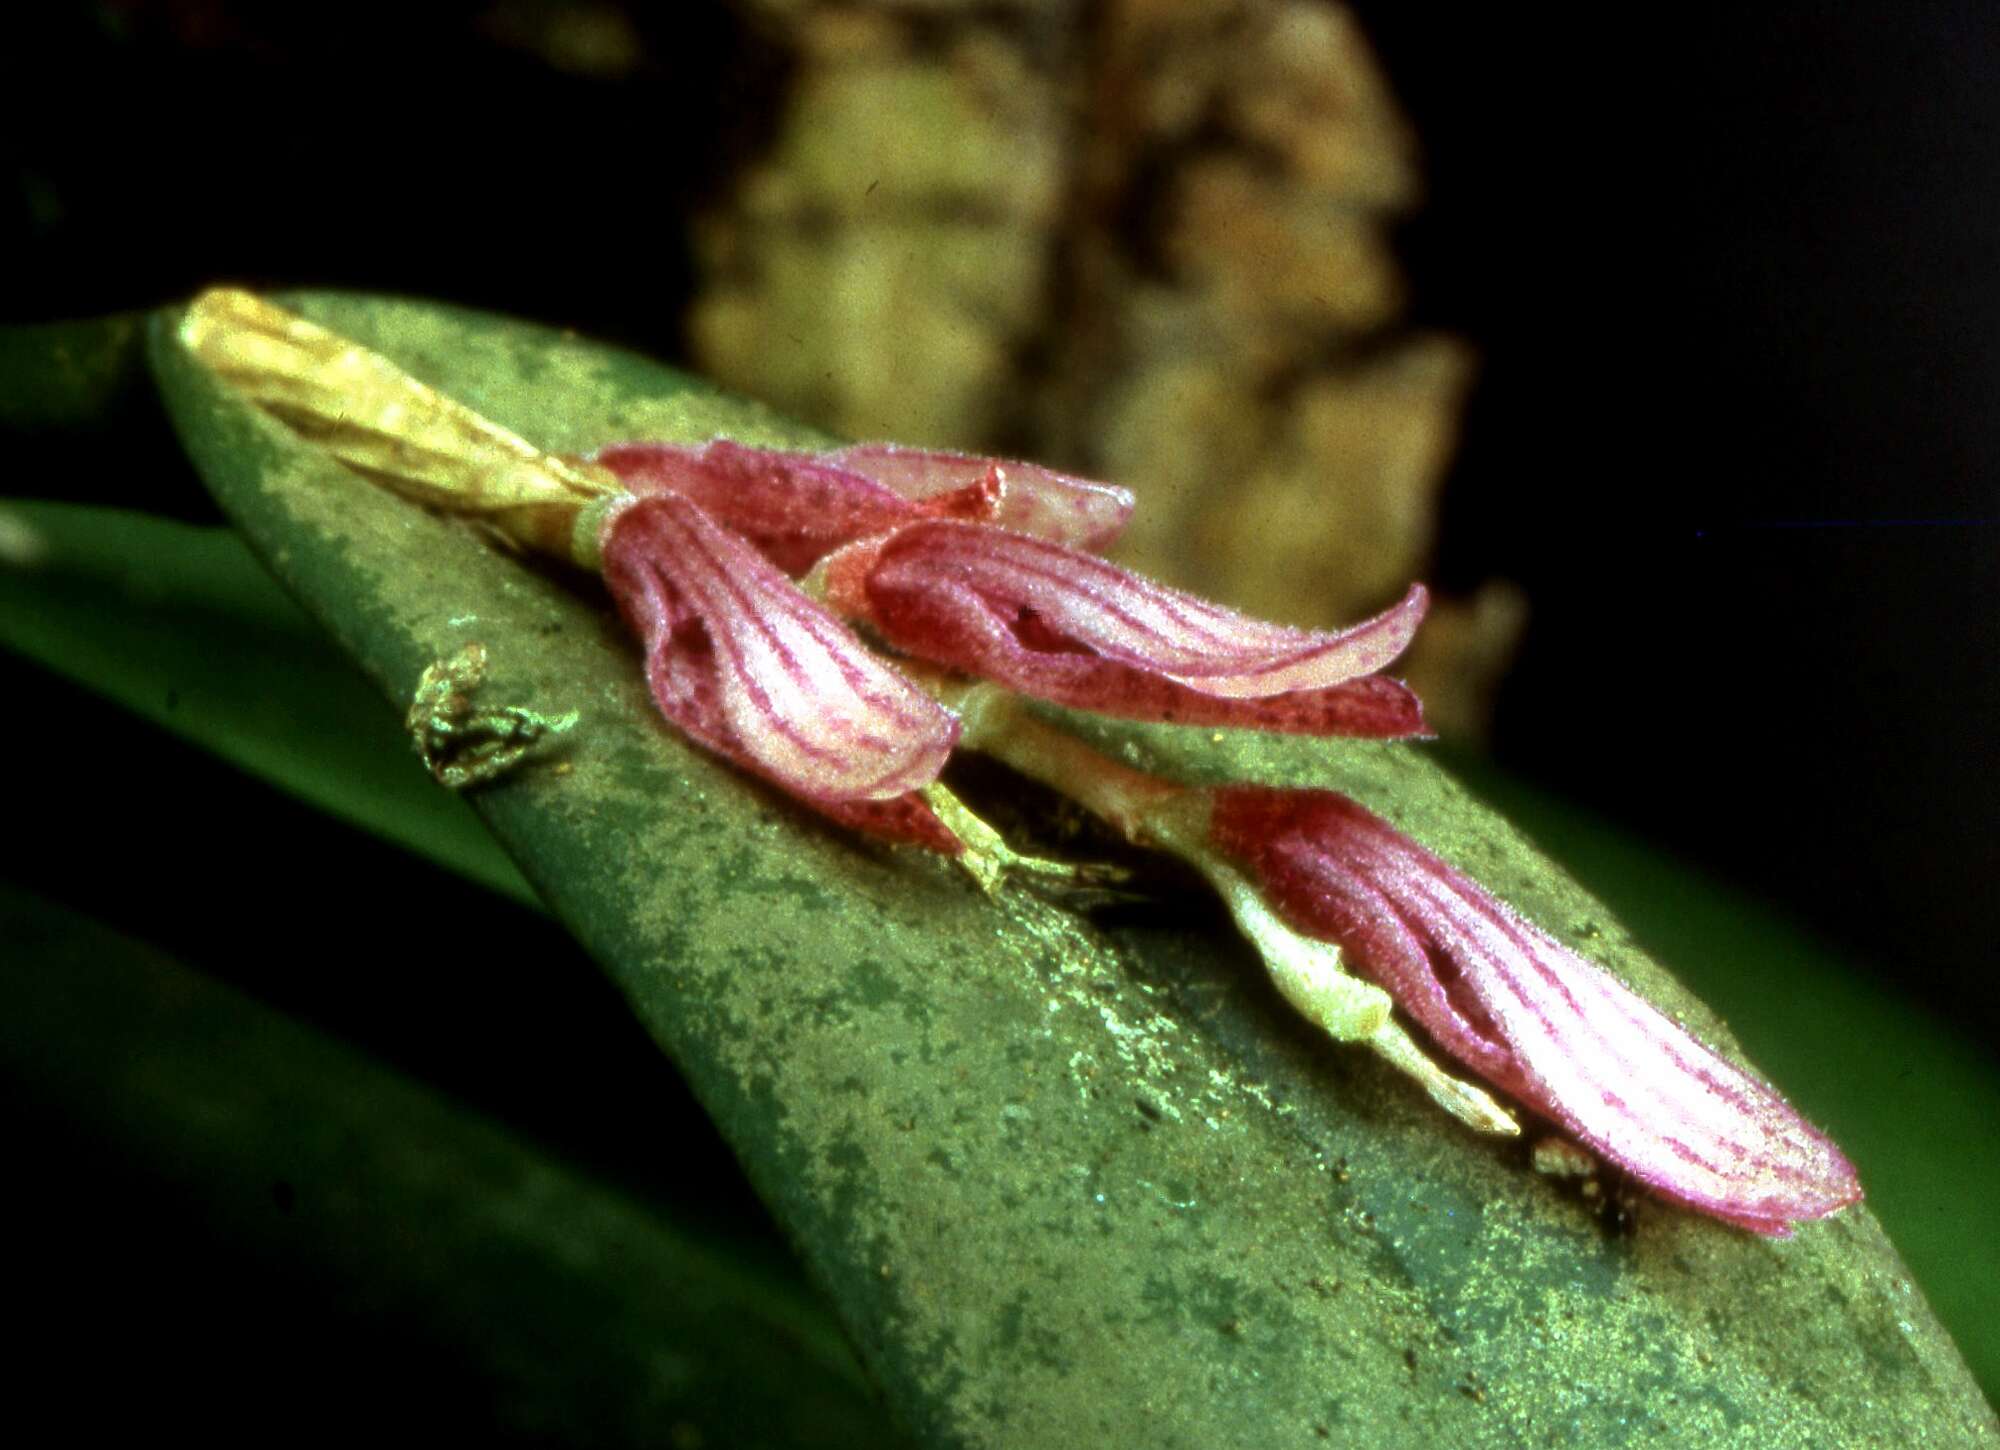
(1532, 1016)
(747, 665)
(1033, 500)
(1062, 625)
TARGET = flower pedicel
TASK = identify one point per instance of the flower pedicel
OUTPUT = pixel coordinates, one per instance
(977, 572)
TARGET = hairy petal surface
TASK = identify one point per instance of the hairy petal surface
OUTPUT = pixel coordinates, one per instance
(797, 507)
(1032, 499)
(794, 507)
(1053, 622)
(1533, 1017)
(743, 662)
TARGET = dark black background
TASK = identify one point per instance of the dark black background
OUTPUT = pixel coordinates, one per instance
(1734, 277)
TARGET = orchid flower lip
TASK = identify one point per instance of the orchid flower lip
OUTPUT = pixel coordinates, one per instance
(1032, 499)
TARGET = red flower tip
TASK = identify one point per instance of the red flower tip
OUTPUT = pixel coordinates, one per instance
(742, 661)
(906, 820)
(1533, 1017)
(1062, 625)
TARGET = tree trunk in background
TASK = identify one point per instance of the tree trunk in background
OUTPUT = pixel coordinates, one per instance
(1147, 240)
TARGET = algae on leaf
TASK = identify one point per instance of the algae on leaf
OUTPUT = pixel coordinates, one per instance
(1063, 1183)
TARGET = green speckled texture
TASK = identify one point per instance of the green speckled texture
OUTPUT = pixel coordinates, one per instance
(1064, 1187)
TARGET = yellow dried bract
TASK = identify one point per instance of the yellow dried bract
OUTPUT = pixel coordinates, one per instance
(377, 419)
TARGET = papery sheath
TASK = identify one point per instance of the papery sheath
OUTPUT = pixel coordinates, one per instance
(743, 662)
(1532, 1016)
(1062, 625)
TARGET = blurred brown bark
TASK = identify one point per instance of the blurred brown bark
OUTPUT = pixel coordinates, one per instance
(1146, 240)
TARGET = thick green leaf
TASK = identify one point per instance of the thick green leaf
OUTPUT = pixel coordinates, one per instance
(331, 1217)
(1061, 1184)
(180, 624)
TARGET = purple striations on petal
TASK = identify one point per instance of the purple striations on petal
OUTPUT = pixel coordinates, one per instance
(1532, 1016)
(1065, 626)
(743, 662)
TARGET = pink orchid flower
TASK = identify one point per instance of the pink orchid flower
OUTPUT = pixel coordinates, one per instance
(745, 664)
(1532, 1017)
(967, 562)
(979, 565)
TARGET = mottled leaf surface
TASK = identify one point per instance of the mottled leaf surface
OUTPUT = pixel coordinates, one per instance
(1067, 1187)
(184, 627)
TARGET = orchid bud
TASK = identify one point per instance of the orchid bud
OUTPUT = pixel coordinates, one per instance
(1531, 1016)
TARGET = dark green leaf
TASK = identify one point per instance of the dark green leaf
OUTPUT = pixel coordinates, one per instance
(71, 377)
(82, 418)
(345, 1247)
(1064, 1187)
(180, 624)
(183, 626)
(1899, 1090)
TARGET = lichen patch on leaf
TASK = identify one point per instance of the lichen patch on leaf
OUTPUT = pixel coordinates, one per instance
(464, 743)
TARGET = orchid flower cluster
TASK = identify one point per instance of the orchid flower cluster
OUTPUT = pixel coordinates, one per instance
(976, 566)
(751, 576)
